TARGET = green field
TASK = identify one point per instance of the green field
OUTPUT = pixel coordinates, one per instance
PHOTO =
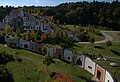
(97, 37)
(31, 69)
(112, 53)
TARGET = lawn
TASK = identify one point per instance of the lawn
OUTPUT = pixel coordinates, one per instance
(113, 52)
(115, 35)
(98, 49)
(31, 69)
(97, 37)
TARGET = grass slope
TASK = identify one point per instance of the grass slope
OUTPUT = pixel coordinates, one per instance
(31, 69)
(113, 53)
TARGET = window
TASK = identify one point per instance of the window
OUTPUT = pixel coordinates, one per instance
(25, 46)
(79, 62)
(99, 75)
(68, 57)
(89, 67)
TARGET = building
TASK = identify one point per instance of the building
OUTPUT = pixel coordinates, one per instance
(38, 48)
(26, 21)
(100, 73)
(59, 53)
(67, 55)
(89, 65)
(50, 51)
(12, 42)
(24, 44)
(108, 77)
(80, 60)
(32, 46)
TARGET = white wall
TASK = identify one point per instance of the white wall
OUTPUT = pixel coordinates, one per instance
(67, 55)
(89, 65)
(108, 77)
(23, 42)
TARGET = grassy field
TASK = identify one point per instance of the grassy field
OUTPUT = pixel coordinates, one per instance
(31, 69)
(97, 38)
(115, 35)
(112, 52)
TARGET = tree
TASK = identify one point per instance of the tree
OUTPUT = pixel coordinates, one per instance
(48, 60)
(8, 29)
(44, 50)
(72, 60)
(92, 40)
(5, 75)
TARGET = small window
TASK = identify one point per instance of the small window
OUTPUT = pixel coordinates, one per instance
(89, 67)
(68, 57)
(21, 45)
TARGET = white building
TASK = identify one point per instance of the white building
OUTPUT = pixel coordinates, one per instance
(24, 44)
(89, 65)
(108, 77)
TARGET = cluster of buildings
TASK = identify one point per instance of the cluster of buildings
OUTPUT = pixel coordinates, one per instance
(84, 62)
(25, 21)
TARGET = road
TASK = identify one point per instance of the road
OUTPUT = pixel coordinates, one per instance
(107, 37)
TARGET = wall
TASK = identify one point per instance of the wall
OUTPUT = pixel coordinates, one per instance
(58, 53)
(38, 47)
(101, 76)
(67, 55)
(32, 46)
(23, 43)
(108, 77)
(50, 51)
(12, 42)
(78, 59)
(89, 65)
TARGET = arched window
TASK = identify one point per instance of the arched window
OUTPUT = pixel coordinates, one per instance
(25, 46)
(79, 62)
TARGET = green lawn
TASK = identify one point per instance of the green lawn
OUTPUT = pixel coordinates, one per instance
(98, 48)
(116, 36)
(97, 37)
(31, 69)
(112, 51)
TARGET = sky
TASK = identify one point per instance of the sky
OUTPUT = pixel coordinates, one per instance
(40, 2)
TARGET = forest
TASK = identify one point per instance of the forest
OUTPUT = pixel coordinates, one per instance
(84, 13)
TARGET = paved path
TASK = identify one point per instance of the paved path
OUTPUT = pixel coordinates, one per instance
(107, 37)
(112, 57)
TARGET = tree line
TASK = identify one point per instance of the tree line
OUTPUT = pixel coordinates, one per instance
(96, 13)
